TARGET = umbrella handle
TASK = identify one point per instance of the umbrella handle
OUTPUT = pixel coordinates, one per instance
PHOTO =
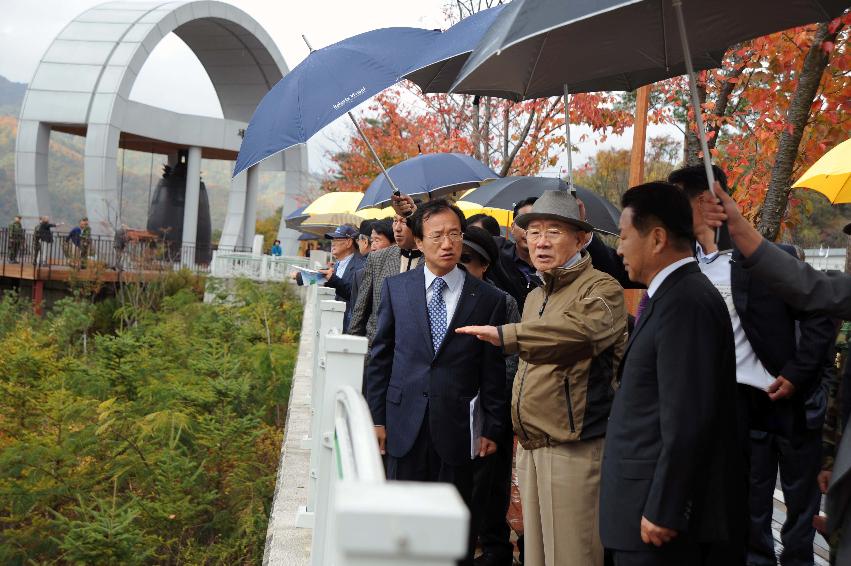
(570, 186)
(695, 100)
(396, 190)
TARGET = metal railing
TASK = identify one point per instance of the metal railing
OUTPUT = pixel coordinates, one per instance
(357, 517)
(228, 264)
(20, 255)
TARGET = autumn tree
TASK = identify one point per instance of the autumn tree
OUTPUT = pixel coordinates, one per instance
(775, 106)
(607, 172)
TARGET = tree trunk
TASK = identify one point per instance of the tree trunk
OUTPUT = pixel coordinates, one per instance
(777, 197)
(691, 143)
(509, 159)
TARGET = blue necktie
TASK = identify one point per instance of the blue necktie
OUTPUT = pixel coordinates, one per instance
(437, 312)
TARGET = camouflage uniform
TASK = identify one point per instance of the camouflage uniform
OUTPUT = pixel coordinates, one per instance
(16, 240)
(833, 422)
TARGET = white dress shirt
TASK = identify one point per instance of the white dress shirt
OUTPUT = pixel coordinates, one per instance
(749, 370)
(343, 264)
(451, 293)
(660, 277)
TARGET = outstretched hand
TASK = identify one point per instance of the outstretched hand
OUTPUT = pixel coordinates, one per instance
(483, 333)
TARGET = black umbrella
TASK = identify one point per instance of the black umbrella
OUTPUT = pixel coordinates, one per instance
(538, 48)
(504, 193)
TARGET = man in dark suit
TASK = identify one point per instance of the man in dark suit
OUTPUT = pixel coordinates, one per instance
(348, 262)
(421, 377)
(673, 479)
(780, 353)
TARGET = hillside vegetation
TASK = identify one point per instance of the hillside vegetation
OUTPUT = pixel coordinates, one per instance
(145, 429)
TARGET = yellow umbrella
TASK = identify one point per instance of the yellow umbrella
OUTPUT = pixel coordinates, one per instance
(471, 208)
(331, 203)
(320, 224)
(831, 175)
(376, 213)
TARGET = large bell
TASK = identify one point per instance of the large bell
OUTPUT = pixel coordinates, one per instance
(166, 213)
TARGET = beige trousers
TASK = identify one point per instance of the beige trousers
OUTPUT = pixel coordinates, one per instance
(560, 494)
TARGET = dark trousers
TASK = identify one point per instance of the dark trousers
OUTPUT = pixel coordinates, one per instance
(492, 496)
(798, 455)
(423, 463)
(674, 553)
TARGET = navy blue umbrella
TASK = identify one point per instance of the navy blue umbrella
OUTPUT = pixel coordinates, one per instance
(328, 83)
(440, 66)
(333, 80)
(426, 176)
(295, 218)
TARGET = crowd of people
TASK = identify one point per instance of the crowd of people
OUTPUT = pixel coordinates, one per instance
(647, 439)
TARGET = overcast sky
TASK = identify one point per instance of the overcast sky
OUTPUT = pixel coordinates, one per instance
(29, 26)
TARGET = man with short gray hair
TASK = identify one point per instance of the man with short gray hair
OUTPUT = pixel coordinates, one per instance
(570, 340)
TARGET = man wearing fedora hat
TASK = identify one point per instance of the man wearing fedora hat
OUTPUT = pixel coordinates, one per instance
(570, 340)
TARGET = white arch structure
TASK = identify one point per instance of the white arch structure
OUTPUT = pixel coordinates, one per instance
(82, 86)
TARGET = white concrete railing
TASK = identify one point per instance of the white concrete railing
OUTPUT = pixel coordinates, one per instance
(357, 517)
(257, 267)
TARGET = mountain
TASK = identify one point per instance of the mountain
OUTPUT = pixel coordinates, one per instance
(138, 173)
(11, 96)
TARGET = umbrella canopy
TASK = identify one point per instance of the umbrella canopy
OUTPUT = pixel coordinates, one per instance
(373, 213)
(535, 47)
(334, 80)
(429, 175)
(830, 175)
(441, 64)
(327, 84)
(332, 203)
(322, 223)
(506, 192)
(470, 208)
(295, 218)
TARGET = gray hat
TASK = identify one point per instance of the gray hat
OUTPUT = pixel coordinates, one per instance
(555, 205)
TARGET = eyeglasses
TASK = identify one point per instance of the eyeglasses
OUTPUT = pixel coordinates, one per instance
(454, 237)
(551, 234)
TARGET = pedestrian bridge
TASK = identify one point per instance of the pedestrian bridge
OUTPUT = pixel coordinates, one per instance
(332, 505)
(141, 259)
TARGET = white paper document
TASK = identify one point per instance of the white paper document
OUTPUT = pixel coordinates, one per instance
(476, 423)
(310, 276)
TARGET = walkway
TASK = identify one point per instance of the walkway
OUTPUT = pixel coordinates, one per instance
(286, 544)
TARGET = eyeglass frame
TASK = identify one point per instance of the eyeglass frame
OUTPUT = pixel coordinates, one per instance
(552, 235)
(454, 237)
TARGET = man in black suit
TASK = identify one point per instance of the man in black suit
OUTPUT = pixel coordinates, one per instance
(780, 353)
(673, 479)
(422, 377)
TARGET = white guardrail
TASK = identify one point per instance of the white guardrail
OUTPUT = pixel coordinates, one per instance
(359, 518)
(257, 267)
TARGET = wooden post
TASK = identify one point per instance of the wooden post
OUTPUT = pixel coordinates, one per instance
(639, 136)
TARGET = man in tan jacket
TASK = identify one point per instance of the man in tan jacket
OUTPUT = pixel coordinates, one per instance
(570, 340)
